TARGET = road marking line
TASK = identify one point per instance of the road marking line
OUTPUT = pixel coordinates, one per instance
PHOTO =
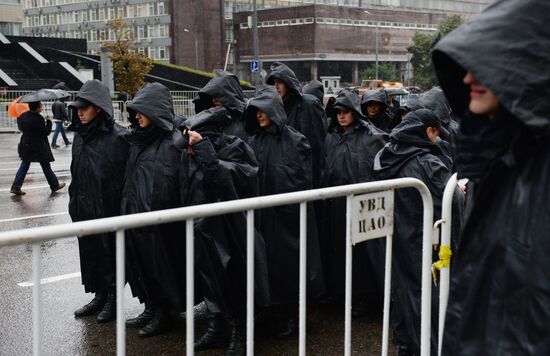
(33, 186)
(51, 279)
(33, 217)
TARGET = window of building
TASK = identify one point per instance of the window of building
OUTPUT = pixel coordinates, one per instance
(101, 14)
(161, 8)
(120, 12)
(102, 34)
(84, 15)
(140, 10)
(152, 53)
(141, 50)
(162, 54)
(93, 14)
(308, 20)
(153, 11)
(130, 11)
(112, 14)
(151, 31)
(140, 32)
(163, 31)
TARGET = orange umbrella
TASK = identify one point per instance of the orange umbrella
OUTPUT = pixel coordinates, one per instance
(16, 108)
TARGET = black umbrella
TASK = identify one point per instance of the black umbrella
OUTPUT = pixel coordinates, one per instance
(44, 94)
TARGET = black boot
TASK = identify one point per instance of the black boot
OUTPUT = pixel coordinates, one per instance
(213, 338)
(287, 324)
(108, 313)
(142, 319)
(92, 307)
(237, 342)
(159, 324)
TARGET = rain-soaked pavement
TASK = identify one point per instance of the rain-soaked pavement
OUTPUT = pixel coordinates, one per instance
(65, 335)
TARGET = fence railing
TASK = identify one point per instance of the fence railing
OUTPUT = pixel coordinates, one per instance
(120, 224)
(183, 105)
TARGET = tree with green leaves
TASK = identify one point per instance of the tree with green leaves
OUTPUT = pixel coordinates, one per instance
(421, 60)
(386, 72)
(129, 67)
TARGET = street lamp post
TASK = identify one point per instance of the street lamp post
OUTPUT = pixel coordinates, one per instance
(196, 47)
(376, 41)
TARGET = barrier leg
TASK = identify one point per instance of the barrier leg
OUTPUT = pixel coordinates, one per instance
(387, 292)
(303, 277)
(250, 283)
(36, 300)
(120, 282)
(190, 280)
(347, 332)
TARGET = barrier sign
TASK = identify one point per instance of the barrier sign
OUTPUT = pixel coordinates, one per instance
(371, 216)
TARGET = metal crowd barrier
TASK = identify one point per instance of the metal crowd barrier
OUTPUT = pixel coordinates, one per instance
(183, 105)
(445, 254)
(119, 224)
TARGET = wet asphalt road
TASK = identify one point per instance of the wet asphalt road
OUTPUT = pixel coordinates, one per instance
(65, 335)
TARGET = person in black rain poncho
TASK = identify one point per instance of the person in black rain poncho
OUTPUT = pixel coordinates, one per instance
(100, 152)
(316, 89)
(155, 264)
(304, 113)
(224, 90)
(351, 144)
(412, 152)
(374, 106)
(284, 156)
(495, 75)
(218, 167)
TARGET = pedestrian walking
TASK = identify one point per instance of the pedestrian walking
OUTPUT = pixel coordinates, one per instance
(374, 106)
(224, 90)
(304, 113)
(34, 147)
(155, 267)
(99, 156)
(412, 152)
(495, 76)
(220, 167)
(284, 158)
(59, 111)
(351, 144)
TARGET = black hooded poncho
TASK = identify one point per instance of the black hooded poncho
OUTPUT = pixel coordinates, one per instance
(284, 157)
(99, 154)
(410, 153)
(350, 157)
(222, 168)
(499, 302)
(156, 254)
(304, 113)
(316, 89)
(383, 119)
(226, 88)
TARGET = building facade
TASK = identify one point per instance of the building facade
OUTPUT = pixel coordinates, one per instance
(148, 19)
(326, 40)
(11, 17)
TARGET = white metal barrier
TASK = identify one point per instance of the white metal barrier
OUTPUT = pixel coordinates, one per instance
(121, 223)
(445, 249)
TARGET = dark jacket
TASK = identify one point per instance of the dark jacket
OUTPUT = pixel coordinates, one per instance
(284, 157)
(222, 168)
(350, 158)
(383, 119)
(304, 113)
(156, 254)
(59, 111)
(410, 153)
(99, 154)
(500, 291)
(226, 88)
(34, 145)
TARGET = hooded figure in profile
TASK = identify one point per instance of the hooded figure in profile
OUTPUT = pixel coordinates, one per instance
(304, 113)
(412, 152)
(155, 254)
(374, 106)
(224, 90)
(351, 144)
(99, 156)
(219, 167)
(284, 158)
(495, 76)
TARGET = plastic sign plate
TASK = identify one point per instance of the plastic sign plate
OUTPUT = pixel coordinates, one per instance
(371, 216)
(254, 66)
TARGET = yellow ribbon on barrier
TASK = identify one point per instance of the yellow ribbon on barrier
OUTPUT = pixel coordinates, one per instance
(445, 254)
